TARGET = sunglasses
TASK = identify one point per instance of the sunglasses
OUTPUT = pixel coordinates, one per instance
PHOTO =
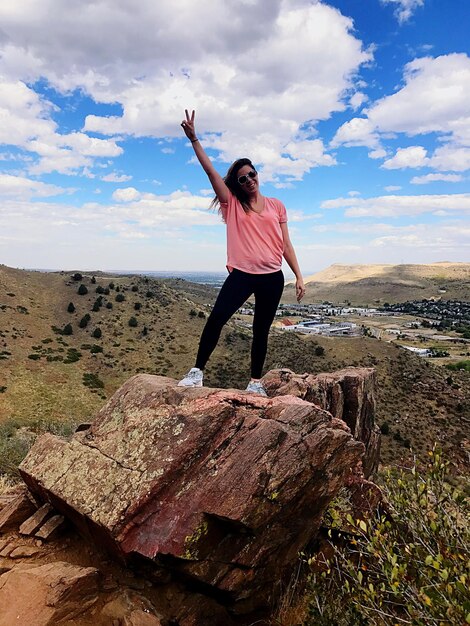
(244, 179)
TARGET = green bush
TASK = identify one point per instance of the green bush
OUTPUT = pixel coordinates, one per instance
(137, 306)
(319, 350)
(83, 323)
(133, 322)
(71, 308)
(73, 355)
(97, 333)
(120, 297)
(410, 566)
(109, 305)
(82, 290)
(92, 381)
(77, 276)
(68, 330)
(460, 365)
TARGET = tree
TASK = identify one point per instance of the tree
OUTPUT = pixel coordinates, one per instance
(84, 321)
(71, 308)
(82, 290)
(97, 333)
(68, 330)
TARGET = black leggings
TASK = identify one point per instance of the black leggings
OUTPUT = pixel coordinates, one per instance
(237, 288)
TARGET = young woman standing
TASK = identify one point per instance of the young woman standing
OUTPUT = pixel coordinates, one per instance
(257, 239)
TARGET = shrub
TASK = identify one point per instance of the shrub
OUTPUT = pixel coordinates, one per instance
(193, 312)
(68, 330)
(93, 280)
(71, 308)
(385, 428)
(120, 297)
(34, 357)
(201, 314)
(137, 306)
(319, 350)
(96, 305)
(135, 288)
(84, 321)
(97, 333)
(99, 289)
(92, 381)
(2, 388)
(407, 567)
(77, 277)
(111, 285)
(82, 290)
(133, 322)
(73, 355)
(109, 305)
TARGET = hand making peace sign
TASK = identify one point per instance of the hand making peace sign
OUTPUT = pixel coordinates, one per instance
(188, 126)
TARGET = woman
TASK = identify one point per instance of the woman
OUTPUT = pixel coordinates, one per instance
(257, 239)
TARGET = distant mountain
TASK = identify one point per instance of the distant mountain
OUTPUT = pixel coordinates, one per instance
(376, 284)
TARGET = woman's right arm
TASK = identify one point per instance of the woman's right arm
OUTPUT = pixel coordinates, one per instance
(216, 180)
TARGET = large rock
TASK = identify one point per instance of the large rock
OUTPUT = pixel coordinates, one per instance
(222, 487)
(47, 595)
(348, 394)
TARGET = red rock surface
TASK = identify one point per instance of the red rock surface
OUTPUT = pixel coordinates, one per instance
(222, 487)
(46, 595)
(348, 394)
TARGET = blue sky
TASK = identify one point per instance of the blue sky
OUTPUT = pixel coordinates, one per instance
(356, 113)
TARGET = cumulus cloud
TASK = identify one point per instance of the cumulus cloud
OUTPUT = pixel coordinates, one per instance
(246, 64)
(404, 9)
(430, 178)
(414, 156)
(396, 206)
(26, 124)
(432, 100)
(22, 187)
(116, 178)
(126, 195)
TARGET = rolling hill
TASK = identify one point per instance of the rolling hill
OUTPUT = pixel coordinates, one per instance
(377, 284)
(56, 370)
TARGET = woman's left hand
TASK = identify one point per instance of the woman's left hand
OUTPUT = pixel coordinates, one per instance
(299, 289)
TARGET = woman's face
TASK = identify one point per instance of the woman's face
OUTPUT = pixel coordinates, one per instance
(247, 178)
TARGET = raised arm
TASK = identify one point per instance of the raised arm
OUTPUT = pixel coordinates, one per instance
(216, 180)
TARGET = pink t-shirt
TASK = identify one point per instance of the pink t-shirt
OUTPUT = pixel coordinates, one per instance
(254, 240)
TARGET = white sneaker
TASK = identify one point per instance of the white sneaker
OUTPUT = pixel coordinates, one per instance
(256, 387)
(193, 378)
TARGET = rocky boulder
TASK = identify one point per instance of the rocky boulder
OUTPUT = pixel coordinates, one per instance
(348, 394)
(220, 487)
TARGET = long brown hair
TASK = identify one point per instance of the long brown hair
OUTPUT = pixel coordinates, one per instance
(230, 179)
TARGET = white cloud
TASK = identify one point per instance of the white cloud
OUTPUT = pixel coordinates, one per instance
(116, 178)
(245, 64)
(21, 187)
(432, 100)
(414, 156)
(25, 123)
(392, 188)
(396, 206)
(430, 178)
(129, 194)
(404, 8)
